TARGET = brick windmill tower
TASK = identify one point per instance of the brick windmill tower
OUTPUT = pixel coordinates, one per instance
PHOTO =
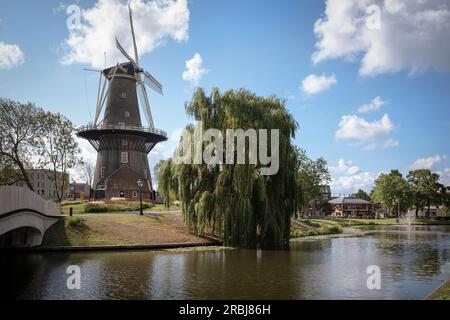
(120, 139)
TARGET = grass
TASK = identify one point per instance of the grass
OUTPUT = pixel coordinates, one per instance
(74, 221)
(80, 207)
(118, 229)
(389, 221)
(306, 227)
(443, 293)
(317, 227)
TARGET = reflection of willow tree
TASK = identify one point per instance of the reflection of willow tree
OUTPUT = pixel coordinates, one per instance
(234, 201)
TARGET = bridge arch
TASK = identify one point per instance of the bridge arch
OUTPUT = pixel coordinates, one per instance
(24, 217)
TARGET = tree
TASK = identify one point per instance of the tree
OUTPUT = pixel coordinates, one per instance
(234, 201)
(58, 150)
(445, 194)
(311, 177)
(20, 129)
(167, 183)
(393, 191)
(361, 194)
(89, 174)
(425, 187)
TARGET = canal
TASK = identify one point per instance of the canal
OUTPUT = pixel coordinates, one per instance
(412, 260)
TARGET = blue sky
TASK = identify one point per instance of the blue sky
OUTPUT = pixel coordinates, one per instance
(325, 72)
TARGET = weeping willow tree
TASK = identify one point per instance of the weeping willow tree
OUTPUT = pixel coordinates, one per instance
(235, 201)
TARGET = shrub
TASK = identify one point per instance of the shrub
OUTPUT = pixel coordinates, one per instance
(74, 221)
(311, 223)
(116, 207)
(329, 229)
(95, 207)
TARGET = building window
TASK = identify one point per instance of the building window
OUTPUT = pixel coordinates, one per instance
(102, 172)
(134, 194)
(127, 114)
(124, 143)
(124, 157)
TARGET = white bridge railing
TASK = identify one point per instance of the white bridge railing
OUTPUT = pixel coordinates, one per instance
(15, 198)
(122, 127)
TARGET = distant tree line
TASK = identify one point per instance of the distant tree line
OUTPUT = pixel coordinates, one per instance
(420, 189)
(31, 138)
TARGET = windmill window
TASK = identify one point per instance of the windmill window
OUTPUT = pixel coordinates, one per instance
(102, 172)
(134, 194)
(124, 157)
(124, 143)
(121, 125)
(123, 95)
(145, 174)
(127, 114)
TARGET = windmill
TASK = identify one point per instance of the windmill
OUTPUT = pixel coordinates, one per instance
(120, 139)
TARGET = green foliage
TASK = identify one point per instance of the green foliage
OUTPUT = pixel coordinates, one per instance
(20, 128)
(308, 227)
(167, 182)
(361, 194)
(74, 221)
(115, 207)
(391, 190)
(325, 207)
(234, 201)
(311, 176)
(27, 131)
(425, 188)
(443, 212)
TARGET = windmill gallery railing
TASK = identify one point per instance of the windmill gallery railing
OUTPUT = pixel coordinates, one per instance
(122, 127)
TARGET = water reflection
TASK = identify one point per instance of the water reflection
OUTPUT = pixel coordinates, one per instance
(412, 260)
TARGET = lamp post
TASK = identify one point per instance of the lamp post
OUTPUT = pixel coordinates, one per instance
(140, 184)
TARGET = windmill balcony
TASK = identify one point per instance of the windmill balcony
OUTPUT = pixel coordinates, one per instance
(122, 127)
(107, 136)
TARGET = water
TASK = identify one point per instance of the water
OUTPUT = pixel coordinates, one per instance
(413, 261)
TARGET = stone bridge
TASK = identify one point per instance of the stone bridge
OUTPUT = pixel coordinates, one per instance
(24, 217)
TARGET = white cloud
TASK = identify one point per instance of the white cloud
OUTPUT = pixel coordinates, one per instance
(314, 84)
(390, 143)
(376, 104)
(88, 152)
(428, 163)
(154, 23)
(412, 35)
(10, 56)
(194, 70)
(354, 127)
(348, 178)
(445, 176)
(345, 167)
(347, 184)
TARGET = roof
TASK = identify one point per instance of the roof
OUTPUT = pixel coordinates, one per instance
(348, 200)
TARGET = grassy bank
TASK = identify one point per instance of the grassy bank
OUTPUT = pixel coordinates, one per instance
(443, 293)
(390, 221)
(80, 207)
(318, 227)
(308, 227)
(118, 229)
